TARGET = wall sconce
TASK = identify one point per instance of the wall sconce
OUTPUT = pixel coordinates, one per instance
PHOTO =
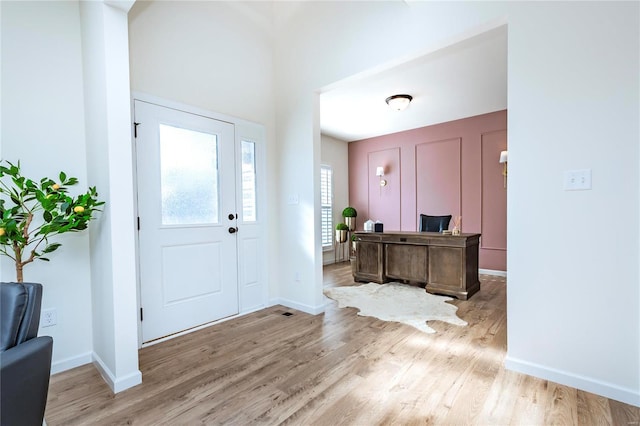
(503, 160)
(399, 102)
(380, 174)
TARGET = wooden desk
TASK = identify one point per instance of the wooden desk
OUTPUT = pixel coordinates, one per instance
(445, 264)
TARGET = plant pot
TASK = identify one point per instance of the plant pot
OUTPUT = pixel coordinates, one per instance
(351, 223)
(341, 235)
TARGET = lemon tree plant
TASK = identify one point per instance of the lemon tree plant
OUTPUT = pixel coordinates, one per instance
(31, 213)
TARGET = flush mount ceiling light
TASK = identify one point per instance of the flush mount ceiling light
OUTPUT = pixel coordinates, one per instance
(399, 102)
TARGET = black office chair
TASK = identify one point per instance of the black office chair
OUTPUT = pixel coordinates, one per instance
(25, 359)
(433, 223)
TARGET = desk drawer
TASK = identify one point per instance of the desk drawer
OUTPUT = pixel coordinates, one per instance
(406, 262)
(369, 262)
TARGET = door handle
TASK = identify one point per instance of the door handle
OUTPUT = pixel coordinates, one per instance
(233, 229)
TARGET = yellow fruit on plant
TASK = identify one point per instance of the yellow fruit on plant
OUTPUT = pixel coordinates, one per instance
(55, 186)
(78, 209)
(2, 231)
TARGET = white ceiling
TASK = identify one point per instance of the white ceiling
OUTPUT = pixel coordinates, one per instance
(462, 80)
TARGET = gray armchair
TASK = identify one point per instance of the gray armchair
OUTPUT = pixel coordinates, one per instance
(25, 359)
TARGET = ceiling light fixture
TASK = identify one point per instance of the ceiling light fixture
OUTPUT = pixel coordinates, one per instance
(399, 102)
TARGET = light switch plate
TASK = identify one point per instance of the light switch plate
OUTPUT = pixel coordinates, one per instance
(293, 199)
(577, 180)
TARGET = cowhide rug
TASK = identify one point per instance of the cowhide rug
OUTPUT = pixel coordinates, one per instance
(403, 303)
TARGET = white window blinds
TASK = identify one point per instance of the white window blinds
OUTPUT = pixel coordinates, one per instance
(326, 196)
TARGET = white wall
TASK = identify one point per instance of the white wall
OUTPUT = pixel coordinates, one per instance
(335, 153)
(573, 297)
(43, 127)
(573, 301)
(43, 79)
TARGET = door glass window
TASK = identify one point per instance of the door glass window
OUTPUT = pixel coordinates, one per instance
(189, 176)
(248, 181)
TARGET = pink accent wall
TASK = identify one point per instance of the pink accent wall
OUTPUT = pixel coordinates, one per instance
(448, 168)
(384, 201)
(438, 180)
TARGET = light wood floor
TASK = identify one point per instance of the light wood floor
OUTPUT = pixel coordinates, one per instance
(334, 369)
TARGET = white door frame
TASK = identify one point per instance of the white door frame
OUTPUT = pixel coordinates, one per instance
(253, 295)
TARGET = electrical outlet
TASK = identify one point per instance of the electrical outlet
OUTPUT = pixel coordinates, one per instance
(49, 317)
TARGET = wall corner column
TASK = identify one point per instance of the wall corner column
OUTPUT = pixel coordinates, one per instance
(110, 167)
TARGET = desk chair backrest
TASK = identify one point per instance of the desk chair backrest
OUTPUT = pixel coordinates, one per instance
(433, 223)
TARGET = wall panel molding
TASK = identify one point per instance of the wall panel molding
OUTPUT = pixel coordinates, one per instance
(438, 171)
(384, 201)
(493, 203)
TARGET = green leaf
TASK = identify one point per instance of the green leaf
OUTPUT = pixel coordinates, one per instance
(22, 198)
(19, 181)
(51, 247)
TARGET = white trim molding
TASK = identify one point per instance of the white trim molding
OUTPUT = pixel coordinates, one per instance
(313, 310)
(588, 384)
(492, 272)
(117, 384)
(71, 362)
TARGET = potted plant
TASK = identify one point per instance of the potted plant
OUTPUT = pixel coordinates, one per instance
(349, 214)
(33, 212)
(341, 232)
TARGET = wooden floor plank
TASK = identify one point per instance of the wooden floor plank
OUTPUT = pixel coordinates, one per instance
(337, 368)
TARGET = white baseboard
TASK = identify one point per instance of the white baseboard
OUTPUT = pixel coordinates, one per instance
(117, 384)
(313, 310)
(69, 363)
(626, 395)
(492, 272)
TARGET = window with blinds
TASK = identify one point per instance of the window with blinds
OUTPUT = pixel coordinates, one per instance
(326, 196)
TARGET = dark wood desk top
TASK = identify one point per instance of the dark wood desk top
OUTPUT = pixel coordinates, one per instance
(427, 238)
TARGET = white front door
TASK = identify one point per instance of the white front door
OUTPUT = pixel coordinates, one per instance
(187, 219)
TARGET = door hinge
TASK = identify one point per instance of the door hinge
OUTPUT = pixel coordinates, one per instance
(138, 223)
(135, 129)
(141, 316)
